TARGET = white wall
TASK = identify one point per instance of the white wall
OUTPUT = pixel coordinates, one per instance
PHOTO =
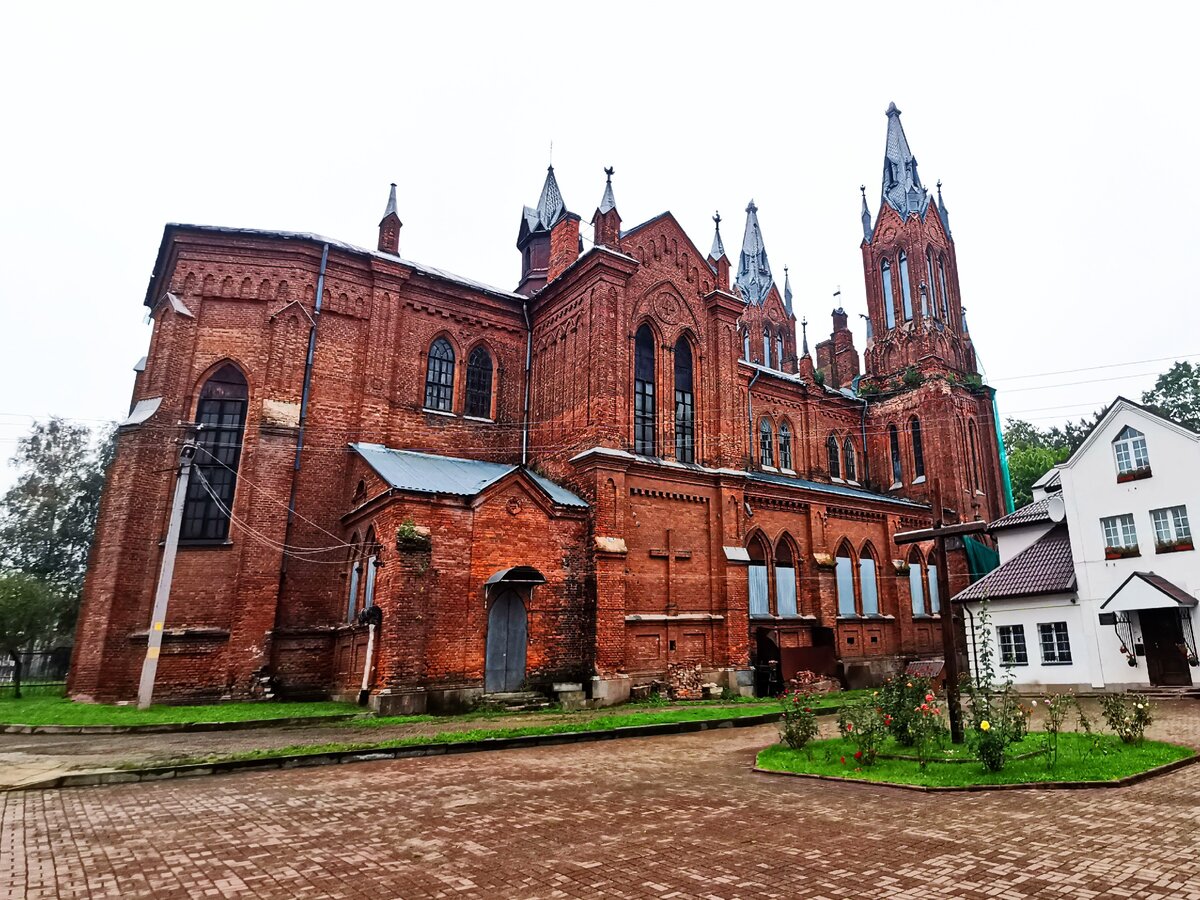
(1011, 541)
(1029, 612)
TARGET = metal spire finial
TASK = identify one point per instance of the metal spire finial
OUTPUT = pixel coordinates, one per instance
(608, 202)
(804, 333)
(718, 245)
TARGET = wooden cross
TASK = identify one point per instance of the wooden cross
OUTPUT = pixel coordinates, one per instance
(670, 553)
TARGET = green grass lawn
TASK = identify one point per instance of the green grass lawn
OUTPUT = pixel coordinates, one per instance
(1077, 761)
(597, 723)
(61, 711)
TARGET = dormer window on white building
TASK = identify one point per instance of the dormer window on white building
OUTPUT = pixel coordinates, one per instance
(1133, 459)
(1171, 529)
(1120, 537)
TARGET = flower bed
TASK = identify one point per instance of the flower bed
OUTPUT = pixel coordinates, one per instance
(1081, 758)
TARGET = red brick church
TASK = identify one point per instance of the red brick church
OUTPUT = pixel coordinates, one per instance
(625, 463)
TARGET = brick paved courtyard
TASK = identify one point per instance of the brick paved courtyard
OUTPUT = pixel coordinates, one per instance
(678, 816)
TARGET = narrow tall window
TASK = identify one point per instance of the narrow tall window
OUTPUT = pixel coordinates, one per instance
(643, 393)
(767, 348)
(974, 455)
(845, 584)
(352, 596)
(889, 301)
(849, 460)
(439, 377)
(685, 403)
(833, 455)
(918, 447)
(766, 442)
(746, 344)
(931, 281)
(942, 288)
(905, 287)
(935, 605)
(785, 580)
(760, 602)
(1133, 459)
(785, 446)
(916, 587)
(779, 348)
(868, 584)
(479, 384)
(894, 446)
(221, 414)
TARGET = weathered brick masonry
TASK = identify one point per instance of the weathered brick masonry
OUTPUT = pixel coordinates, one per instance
(680, 479)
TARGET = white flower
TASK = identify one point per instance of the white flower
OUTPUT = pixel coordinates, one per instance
(1140, 706)
(1035, 703)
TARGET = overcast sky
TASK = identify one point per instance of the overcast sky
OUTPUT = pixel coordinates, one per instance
(1065, 135)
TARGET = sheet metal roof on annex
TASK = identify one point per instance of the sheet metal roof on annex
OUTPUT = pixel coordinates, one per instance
(1045, 567)
(428, 473)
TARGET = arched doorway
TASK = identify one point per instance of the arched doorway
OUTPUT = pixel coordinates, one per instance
(506, 639)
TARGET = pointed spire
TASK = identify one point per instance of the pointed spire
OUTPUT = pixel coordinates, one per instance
(866, 215)
(787, 292)
(550, 206)
(718, 245)
(389, 226)
(902, 188)
(942, 211)
(754, 272)
(391, 204)
(608, 202)
(804, 332)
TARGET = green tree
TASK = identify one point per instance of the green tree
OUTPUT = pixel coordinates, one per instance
(1176, 395)
(1032, 452)
(48, 518)
(30, 613)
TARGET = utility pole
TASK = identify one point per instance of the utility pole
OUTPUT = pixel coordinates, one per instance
(155, 635)
(939, 532)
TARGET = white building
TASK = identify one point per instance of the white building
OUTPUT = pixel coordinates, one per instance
(1096, 584)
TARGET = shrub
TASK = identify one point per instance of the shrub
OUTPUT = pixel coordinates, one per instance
(901, 699)
(799, 723)
(1128, 715)
(913, 377)
(863, 724)
(997, 716)
(1056, 707)
(926, 727)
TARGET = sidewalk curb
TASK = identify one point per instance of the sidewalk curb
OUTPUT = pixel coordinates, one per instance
(372, 754)
(176, 727)
(976, 788)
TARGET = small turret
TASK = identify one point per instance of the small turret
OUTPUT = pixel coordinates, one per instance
(606, 221)
(533, 237)
(716, 256)
(389, 226)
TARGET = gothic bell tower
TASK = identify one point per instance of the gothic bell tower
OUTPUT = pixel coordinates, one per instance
(916, 313)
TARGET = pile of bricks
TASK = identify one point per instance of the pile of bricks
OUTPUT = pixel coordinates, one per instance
(685, 681)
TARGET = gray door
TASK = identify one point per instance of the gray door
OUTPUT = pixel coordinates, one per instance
(506, 639)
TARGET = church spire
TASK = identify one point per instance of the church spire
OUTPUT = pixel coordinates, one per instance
(902, 188)
(942, 211)
(866, 215)
(718, 245)
(550, 206)
(787, 292)
(606, 221)
(608, 202)
(389, 226)
(804, 332)
(754, 272)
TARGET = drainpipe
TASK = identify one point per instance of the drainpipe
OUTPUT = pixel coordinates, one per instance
(528, 360)
(305, 393)
(750, 413)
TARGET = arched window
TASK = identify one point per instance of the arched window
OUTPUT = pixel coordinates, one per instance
(767, 347)
(643, 393)
(974, 455)
(894, 446)
(221, 414)
(779, 349)
(833, 455)
(849, 459)
(889, 301)
(931, 281)
(785, 579)
(942, 288)
(766, 443)
(370, 564)
(685, 403)
(914, 425)
(1133, 459)
(439, 377)
(935, 606)
(479, 384)
(785, 446)
(868, 583)
(845, 582)
(905, 288)
(760, 604)
(353, 579)
(746, 344)
(916, 588)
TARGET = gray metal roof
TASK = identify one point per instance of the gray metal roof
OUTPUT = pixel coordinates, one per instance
(309, 237)
(866, 216)
(838, 489)
(718, 245)
(902, 188)
(787, 291)
(428, 473)
(754, 272)
(391, 204)
(608, 202)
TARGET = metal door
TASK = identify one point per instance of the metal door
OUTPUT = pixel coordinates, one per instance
(1166, 656)
(506, 639)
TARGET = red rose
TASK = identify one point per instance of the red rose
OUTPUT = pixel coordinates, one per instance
(843, 760)
(849, 726)
(858, 754)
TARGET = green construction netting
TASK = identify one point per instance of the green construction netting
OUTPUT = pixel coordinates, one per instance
(981, 558)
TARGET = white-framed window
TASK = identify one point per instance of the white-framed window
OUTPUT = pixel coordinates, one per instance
(1129, 449)
(1012, 645)
(1056, 645)
(1120, 533)
(1171, 527)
